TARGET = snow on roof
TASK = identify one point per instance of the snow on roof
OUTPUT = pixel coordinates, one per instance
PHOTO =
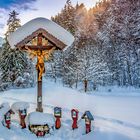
(38, 118)
(20, 106)
(37, 23)
(4, 108)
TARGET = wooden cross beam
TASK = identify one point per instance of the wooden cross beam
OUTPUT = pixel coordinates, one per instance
(34, 47)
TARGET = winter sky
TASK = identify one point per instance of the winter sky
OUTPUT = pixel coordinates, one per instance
(30, 9)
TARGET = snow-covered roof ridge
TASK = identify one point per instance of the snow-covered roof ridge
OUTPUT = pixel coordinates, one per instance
(51, 27)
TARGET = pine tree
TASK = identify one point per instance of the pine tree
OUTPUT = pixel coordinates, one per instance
(112, 26)
(119, 35)
(13, 22)
(81, 20)
(66, 17)
(70, 67)
(14, 63)
(55, 65)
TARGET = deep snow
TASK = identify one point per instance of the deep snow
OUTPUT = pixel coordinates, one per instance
(116, 117)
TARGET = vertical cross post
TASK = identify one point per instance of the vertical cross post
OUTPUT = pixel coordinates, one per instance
(39, 82)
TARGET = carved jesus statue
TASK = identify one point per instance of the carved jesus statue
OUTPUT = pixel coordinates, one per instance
(41, 56)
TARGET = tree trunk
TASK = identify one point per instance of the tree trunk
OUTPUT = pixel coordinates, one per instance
(76, 81)
(129, 74)
(85, 85)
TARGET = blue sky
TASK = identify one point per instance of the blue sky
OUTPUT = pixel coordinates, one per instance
(8, 3)
(29, 9)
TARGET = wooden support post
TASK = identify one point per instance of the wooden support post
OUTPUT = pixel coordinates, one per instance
(39, 84)
(39, 95)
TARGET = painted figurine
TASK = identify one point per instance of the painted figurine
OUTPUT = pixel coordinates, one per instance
(57, 114)
(74, 115)
(88, 118)
(22, 115)
(7, 117)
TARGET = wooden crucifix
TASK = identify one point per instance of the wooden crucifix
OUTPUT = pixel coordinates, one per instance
(40, 37)
(41, 53)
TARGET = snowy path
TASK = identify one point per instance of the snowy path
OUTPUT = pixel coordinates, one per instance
(115, 117)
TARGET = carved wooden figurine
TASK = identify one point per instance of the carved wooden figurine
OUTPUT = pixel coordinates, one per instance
(88, 118)
(74, 115)
(57, 114)
(41, 56)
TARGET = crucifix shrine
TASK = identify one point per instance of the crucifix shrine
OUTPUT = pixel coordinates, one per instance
(39, 38)
(41, 53)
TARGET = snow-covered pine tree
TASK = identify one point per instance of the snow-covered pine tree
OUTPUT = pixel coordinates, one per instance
(92, 67)
(13, 22)
(119, 34)
(14, 63)
(112, 27)
(55, 66)
(66, 17)
(70, 67)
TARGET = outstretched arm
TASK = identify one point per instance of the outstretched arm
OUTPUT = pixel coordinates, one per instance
(32, 53)
(48, 53)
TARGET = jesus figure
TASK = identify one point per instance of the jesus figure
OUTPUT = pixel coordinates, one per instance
(41, 56)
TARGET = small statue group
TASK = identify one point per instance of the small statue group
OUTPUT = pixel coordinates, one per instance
(74, 114)
(35, 126)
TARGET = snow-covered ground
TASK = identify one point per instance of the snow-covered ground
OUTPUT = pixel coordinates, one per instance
(116, 117)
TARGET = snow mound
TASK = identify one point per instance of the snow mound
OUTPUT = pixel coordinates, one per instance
(38, 118)
(4, 108)
(20, 106)
(37, 23)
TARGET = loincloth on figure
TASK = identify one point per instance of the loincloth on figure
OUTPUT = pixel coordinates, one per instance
(40, 66)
